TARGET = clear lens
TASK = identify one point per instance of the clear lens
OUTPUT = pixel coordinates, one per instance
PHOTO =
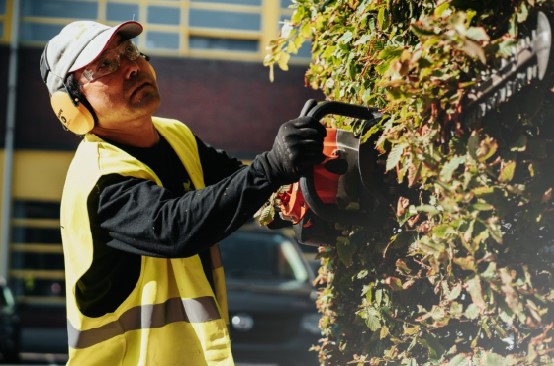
(108, 62)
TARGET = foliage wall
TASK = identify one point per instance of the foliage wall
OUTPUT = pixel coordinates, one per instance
(457, 266)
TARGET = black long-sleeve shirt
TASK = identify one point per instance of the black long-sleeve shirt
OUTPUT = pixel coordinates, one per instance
(131, 217)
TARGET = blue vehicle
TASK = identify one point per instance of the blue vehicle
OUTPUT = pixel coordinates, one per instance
(274, 319)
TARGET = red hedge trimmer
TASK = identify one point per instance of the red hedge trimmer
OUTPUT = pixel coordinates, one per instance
(348, 188)
(338, 190)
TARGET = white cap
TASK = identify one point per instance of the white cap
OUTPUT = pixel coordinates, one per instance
(77, 45)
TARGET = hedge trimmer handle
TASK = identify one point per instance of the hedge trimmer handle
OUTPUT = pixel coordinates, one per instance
(325, 211)
(343, 109)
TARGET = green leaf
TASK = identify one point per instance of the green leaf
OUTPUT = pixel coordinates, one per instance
(483, 191)
(461, 359)
(493, 359)
(381, 17)
(395, 155)
(472, 312)
(346, 37)
(487, 148)
(384, 333)
(450, 167)
(421, 31)
(455, 292)
(482, 206)
(506, 48)
(298, 15)
(265, 214)
(378, 297)
(434, 347)
(456, 310)
(390, 53)
(283, 61)
(473, 146)
(474, 50)
(507, 171)
(490, 272)
(476, 292)
(372, 318)
(306, 31)
(439, 10)
(477, 34)
(345, 251)
(466, 263)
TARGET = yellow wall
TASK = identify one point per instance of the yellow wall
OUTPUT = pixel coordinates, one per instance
(38, 174)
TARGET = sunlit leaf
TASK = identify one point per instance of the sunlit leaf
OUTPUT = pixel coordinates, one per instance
(474, 289)
(477, 34)
(395, 155)
(493, 359)
(283, 61)
(461, 359)
(507, 171)
(487, 148)
(455, 292)
(449, 168)
(472, 311)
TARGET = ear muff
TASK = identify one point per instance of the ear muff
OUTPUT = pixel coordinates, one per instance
(72, 114)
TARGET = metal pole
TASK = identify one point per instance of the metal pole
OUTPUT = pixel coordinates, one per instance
(5, 227)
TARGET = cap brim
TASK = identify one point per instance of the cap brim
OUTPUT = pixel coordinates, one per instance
(97, 45)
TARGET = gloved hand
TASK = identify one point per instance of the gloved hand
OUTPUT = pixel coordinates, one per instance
(298, 146)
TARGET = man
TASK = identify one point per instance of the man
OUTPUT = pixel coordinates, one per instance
(145, 202)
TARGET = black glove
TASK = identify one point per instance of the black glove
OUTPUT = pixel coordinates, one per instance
(298, 146)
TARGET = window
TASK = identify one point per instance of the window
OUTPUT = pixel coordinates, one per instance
(164, 15)
(205, 43)
(159, 40)
(121, 12)
(39, 32)
(60, 9)
(229, 29)
(224, 20)
(235, 2)
(36, 257)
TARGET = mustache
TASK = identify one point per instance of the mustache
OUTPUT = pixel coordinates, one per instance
(141, 79)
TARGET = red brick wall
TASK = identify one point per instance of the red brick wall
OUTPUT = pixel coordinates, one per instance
(231, 104)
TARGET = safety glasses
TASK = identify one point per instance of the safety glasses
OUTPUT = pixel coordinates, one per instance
(109, 61)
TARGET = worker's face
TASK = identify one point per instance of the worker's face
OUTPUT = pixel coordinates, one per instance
(128, 93)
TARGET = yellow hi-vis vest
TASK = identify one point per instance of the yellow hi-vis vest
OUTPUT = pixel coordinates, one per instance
(172, 316)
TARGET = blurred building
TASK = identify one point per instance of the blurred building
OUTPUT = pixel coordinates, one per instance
(208, 56)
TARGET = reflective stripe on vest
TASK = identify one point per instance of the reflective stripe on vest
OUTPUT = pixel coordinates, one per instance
(199, 310)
